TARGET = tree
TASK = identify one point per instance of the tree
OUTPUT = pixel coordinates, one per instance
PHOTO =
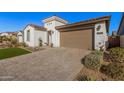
(13, 41)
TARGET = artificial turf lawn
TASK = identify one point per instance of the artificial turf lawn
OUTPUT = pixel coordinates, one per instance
(12, 52)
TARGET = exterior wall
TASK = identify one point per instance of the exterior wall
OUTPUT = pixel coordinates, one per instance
(31, 42)
(35, 35)
(82, 39)
(40, 35)
(55, 33)
(100, 39)
(122, 41)
(20, 37)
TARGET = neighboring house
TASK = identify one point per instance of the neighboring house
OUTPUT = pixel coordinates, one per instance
(4, 34)
(89, 34)
(9, 34)
(121, 32)
(114, 33)
(20, 37)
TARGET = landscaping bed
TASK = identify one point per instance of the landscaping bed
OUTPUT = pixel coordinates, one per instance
(86, 74)
(12, 52)
(103, 66)
(34, 49)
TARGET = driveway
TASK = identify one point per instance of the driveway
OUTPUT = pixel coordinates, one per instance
(49, 64)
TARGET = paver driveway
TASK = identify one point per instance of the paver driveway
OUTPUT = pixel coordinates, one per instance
(49, 64)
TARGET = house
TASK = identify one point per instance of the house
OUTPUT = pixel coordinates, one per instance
(48, 33)
(9, 34)
(121, 31)
(33, 34)
(114, 33)
(7, 37)
(89, 34)
(4, 34)
(20, 37)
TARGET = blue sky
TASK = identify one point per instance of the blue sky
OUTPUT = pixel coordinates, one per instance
(14, 21)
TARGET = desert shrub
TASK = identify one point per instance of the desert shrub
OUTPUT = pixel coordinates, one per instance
(114, 70)
(0, 39)
(23, 44)
(97, 52)
(93, 60)
(40, 42)
(85, 78)
(116, 54)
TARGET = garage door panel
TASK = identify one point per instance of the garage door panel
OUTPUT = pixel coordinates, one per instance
(77, 39)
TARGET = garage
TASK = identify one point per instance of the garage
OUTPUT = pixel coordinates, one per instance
(82, 39)
(84, 34)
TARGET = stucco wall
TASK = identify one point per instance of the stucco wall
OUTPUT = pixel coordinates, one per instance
(20, 37)
(31, 42)
(56, 34)
(100, 38)
(40, 35)
(35, 35)
(122, 41)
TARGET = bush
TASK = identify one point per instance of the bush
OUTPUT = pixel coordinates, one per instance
(14, 42)
(97, 52)
(93, 60)
(114, 70)
(116, 54)
(85, 78)
(40, 42)
(23, 44)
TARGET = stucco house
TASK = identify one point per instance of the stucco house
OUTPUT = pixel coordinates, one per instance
(9, 34)
(32, 34)
(20, 37)
(4, 34)
(121, 31)
(89, 34)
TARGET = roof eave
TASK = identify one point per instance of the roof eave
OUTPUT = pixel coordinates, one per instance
(84, 23)
(118, 32)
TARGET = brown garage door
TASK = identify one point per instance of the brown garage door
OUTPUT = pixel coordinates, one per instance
(82, 39)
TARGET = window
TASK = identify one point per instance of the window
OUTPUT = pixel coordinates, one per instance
(98, 28)
(99, 33)
(28, 35)
(49, 23)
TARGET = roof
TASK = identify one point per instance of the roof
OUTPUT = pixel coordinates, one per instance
(122, 19)
(87, 22)
(13, 33)
(55, 18)
(36, 27)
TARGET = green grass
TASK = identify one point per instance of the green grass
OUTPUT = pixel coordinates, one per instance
(12, 52)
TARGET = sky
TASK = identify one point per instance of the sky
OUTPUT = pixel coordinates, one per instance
(15, 21)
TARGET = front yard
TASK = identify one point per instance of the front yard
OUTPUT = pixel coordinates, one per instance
(12, 52)
(103, 66)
